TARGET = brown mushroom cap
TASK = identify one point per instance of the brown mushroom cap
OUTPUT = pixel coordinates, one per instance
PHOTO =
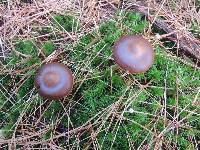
(133, 53)
(54, 81)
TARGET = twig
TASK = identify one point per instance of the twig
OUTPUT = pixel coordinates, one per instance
(187, 42)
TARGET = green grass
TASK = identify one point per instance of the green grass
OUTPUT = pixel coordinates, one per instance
(125, 111)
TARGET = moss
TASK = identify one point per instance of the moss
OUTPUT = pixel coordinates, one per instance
(48, 48)
(28, 84)
(7, 130)
(66, 22)
(26, 47)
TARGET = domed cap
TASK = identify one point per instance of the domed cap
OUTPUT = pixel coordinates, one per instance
(54, 81)
(133, 53)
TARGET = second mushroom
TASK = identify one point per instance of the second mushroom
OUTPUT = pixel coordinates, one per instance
(133, 53)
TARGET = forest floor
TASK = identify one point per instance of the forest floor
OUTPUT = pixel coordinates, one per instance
(108, 108)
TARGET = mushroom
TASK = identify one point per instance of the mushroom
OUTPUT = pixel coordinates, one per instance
(54, 81)
(133, 53)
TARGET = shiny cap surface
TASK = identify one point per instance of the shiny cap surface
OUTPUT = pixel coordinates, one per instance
(54, 81)
(133, 53)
